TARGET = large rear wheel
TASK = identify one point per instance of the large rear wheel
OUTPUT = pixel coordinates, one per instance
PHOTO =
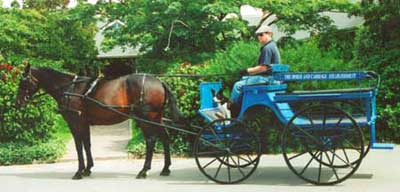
(322, 145)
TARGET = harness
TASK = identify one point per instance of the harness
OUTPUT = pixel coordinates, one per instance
(69, 92)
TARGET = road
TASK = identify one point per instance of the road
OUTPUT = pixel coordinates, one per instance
(380, 171)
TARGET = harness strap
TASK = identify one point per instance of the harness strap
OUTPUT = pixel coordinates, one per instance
(142, 91)
(92, 86)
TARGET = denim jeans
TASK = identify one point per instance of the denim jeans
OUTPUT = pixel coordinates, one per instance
(245, 80)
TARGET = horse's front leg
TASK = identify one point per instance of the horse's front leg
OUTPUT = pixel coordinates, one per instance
(79, 150)
(87, 147)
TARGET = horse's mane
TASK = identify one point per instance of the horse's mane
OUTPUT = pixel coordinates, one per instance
(49, 77)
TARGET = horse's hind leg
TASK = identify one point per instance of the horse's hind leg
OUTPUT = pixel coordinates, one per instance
(167, 156)
(87, 146)
(150, 141)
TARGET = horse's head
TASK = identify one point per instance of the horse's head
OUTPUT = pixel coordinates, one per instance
(28, 86)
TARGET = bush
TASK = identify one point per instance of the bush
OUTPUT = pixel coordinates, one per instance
(137, 146)
(20, 153)
(31, 124)
(29, 134)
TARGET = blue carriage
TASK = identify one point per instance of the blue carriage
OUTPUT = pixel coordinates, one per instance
(322, 143)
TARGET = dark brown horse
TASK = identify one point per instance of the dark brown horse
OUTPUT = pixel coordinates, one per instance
(142, 95)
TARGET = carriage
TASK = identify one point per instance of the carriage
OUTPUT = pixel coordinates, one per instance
(322, 142)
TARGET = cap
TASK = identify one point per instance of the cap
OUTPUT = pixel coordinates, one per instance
(264, 29)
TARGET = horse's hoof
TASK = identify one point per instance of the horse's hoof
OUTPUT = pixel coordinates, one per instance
(165, 172)
(77, 176)
(86, 173)
(141, 175)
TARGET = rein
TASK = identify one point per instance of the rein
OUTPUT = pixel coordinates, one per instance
(74, 81)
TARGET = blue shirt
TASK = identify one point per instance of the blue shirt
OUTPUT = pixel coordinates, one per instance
(269, 54)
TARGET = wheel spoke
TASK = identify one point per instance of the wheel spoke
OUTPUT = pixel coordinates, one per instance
(347, 163)
(238, 166)
(229, 168)
(310, 119)
(219, 167)
(320, 167)
(243, 159)
(210, 153)
(309, 162)
(331, 165)
(298, 155)
(309, 135)
(324, 120)
(209, 163)
(352, 146)
(211, 144)
(340, 120)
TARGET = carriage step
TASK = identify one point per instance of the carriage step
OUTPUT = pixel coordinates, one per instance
(382, 146)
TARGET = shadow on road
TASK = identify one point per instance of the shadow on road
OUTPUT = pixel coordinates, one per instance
(262, 176)
(280, 176)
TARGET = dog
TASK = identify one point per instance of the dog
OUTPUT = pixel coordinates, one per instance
(222, 103)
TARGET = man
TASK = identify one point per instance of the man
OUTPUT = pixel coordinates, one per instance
(269, 54)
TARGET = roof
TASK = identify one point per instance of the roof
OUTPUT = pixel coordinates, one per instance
(117, 51)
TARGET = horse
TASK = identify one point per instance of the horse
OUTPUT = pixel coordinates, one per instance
(143, 95)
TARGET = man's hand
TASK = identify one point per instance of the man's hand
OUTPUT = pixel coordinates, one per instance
(243, 72)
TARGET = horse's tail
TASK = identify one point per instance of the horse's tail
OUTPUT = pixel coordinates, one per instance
(177, 115)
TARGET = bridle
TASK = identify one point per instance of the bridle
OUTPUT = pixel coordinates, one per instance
(35, 81)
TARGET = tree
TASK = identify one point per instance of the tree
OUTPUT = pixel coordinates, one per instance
(294, 15)
(46, 4)
(15, 4)
(174, 29)
(378, 49)
(62, 37)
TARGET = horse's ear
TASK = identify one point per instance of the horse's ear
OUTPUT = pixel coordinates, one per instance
(220, 92)
(213, 92)
(27, 68)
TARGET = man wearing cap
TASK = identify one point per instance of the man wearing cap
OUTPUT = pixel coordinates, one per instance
(269, 54)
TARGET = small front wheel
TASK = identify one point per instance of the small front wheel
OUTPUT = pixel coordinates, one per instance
(226, 151)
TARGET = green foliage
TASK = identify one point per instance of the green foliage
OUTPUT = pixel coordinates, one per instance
(307, 57)
(20, 153)
(45, 4)
(49, 151)
(378, 49)
(32, 133)
(137, 146)
(15, 4)
(294, 15)
(65, 37)
(29, 125)
(198, 27)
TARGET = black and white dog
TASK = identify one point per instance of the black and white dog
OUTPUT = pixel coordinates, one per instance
(222, 102)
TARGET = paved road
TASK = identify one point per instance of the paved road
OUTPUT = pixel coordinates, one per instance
(380, 171)
(108, 142)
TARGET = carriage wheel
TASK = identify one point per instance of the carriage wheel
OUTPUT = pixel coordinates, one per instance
(226, 151)
(355, 108)
(322, 145)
